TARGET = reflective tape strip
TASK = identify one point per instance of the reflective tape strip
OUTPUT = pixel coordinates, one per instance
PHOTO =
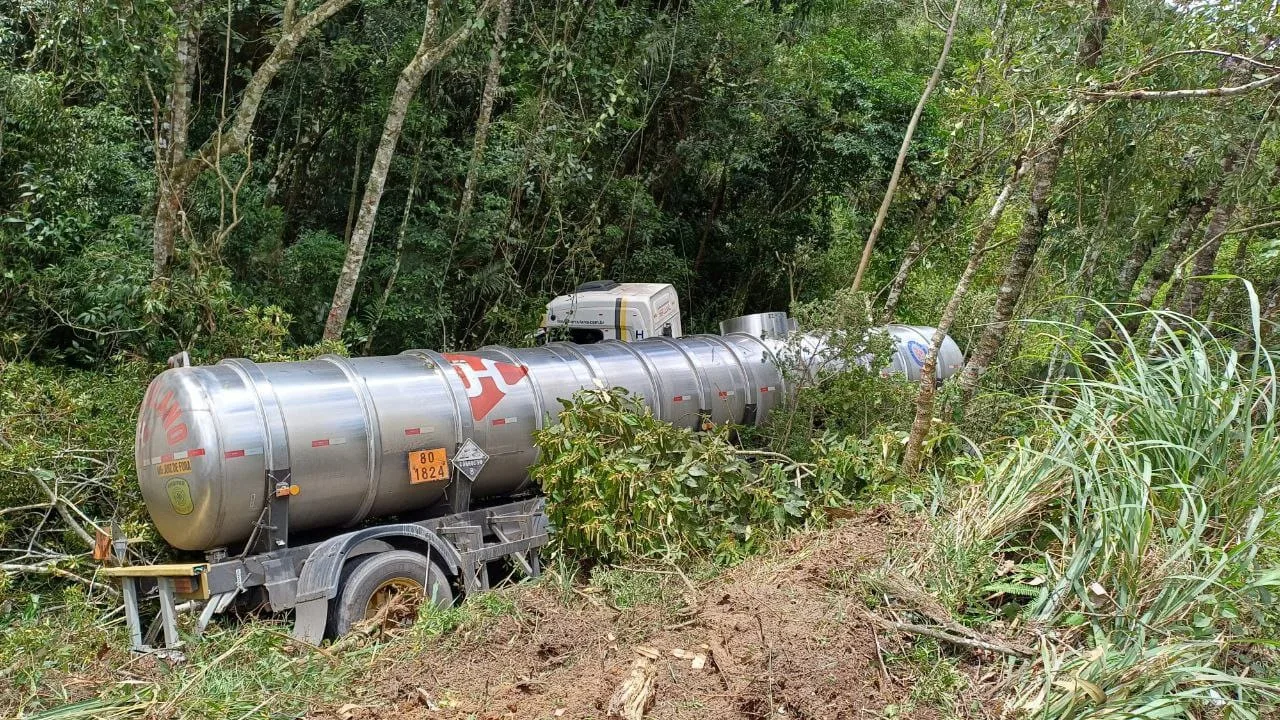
(727, 393)
(768, 388)
(228, 455)
(170, 457)
(326, 442)
(418, 431)
(506, 421)
(681, 398)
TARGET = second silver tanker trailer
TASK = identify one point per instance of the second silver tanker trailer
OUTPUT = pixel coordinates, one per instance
(333, 485)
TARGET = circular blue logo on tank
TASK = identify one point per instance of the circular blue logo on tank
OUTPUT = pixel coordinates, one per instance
(917, 351)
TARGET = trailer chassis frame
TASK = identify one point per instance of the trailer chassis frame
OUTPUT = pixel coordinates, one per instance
(305, 577)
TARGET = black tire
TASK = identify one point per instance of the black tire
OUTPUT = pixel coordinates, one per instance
(367, 575)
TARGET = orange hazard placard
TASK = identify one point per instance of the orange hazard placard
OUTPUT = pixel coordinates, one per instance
(428, 466)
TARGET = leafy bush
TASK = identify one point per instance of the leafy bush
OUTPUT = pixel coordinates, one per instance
(622, 484)
(67, 434)
(856, 401)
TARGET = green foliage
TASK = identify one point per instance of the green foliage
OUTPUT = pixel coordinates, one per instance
(1140, 520)
(68, 433)
(622, 485)
(845, 393)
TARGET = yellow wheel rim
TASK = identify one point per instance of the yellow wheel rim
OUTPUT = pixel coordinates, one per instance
(394, 590)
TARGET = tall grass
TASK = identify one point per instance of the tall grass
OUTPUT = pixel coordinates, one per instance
(1149, 501)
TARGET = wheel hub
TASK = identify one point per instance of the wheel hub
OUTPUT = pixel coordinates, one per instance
(405, 592)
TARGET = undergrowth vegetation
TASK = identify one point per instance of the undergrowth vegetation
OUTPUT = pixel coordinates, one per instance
(1132, 535)
(623, 485)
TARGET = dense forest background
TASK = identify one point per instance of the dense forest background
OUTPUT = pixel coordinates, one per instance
(1088, 186)
(175, 172)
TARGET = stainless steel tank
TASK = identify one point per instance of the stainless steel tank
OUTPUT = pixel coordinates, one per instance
(763, 325)
(344, 428)
(911, 344)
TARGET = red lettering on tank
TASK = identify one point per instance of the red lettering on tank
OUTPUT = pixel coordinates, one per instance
(486, 381)
(176, 434)
(168, 411)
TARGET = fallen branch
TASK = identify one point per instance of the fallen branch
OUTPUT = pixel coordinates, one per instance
(56, 572)
(947, 637)
(61, 504)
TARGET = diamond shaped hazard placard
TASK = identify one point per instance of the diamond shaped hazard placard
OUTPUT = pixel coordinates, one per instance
(470, 459)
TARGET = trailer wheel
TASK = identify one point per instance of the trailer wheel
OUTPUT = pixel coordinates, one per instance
(371, 582)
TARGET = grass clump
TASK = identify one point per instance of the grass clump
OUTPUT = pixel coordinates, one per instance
(1139, 526)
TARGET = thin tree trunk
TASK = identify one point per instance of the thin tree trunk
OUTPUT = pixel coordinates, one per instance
(710, 222)
(928, 373)
(171, 146)
(354, 192)
(1206, 256)
(1044, 169)
(1037, 214)
(426, 57)
(1137, 259)
(491, 86)
(916, 249)
(899, 283)
(181, 170)
(395, 266)
(883, 213)
(1173, 253)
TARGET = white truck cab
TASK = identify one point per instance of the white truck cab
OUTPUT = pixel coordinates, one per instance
(608, 310)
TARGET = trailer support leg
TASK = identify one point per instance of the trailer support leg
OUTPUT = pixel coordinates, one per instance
(168, 613)
(132, 614)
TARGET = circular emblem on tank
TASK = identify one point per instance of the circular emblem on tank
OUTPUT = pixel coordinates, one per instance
(179, 493)
(918, 352)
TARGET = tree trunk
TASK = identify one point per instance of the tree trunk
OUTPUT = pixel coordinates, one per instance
(883, 213)
(180, 171)
(1046, 167)
(917, 247)
(1128, 275)
(395, 266)
(1206, 256)
(1137, 259)
(426, 57)
(489, 96)
(1161, 273)
(354, 192)
(928, 373)
(1016, 272)
(899, 283)
(710, 222)
(171, 143)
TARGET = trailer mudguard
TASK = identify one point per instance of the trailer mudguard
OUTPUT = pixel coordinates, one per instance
(320, 573)
(318, 581)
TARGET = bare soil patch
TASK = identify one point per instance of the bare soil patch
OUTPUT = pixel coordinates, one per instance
(780, 636)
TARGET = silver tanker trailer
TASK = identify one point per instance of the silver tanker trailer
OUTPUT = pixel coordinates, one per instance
(333, 485)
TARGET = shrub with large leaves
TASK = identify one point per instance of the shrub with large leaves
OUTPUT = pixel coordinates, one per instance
(623, 484)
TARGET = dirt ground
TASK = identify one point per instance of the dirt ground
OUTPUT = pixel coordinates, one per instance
(781, 637)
